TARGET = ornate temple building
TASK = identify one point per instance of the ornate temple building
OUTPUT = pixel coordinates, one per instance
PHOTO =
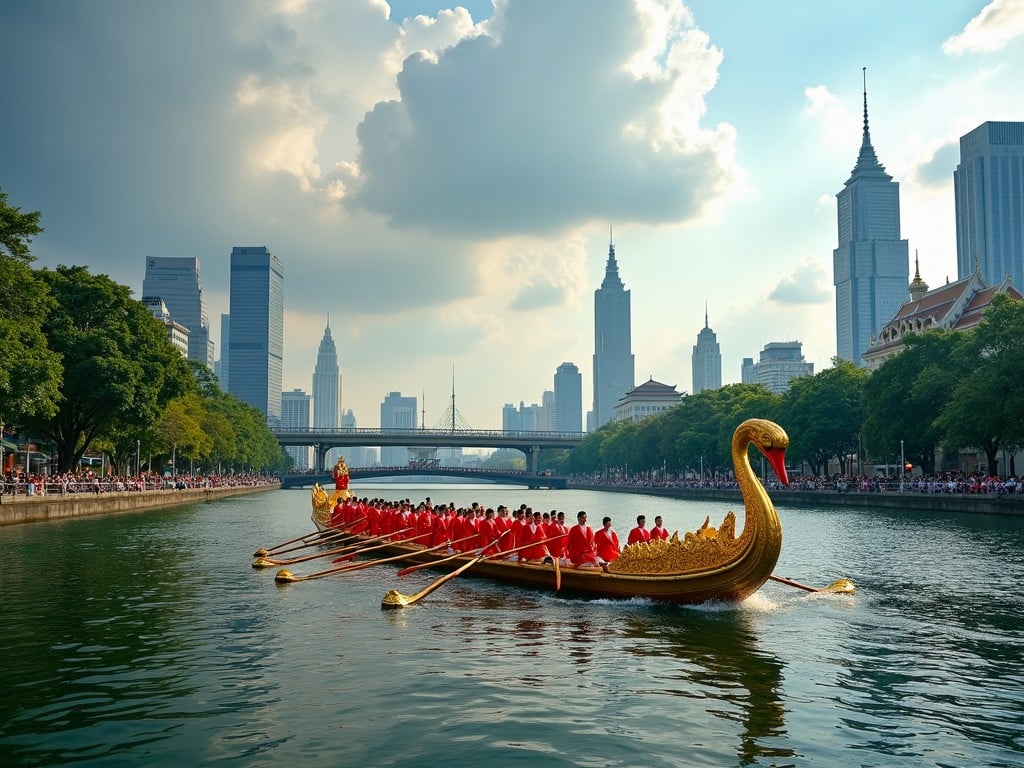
(955, 306)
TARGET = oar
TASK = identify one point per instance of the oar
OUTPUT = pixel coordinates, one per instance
(306, 538)
(395, 599)
(406, 571)
(839, 586)
(360, 551)
(284, 576)
(321, 537)
(266, 562)
(410, 568)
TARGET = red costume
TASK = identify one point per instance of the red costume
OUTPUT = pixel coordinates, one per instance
(659, 532)
(533, 534)
(639, 534)
(580, 546)
(606, 541)
(488, 532)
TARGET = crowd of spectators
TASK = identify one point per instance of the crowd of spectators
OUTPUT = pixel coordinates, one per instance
(945, 482)
(17, 482)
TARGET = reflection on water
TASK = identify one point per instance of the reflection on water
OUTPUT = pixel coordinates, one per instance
(720, 661)
(147, 640)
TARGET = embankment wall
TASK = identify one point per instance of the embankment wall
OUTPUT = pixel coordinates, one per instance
(34, 509)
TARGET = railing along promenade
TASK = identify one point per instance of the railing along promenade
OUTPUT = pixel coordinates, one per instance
(40, 498)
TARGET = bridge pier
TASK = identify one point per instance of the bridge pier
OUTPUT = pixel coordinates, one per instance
(534, 458)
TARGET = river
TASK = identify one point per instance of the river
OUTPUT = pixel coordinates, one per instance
(148, 640)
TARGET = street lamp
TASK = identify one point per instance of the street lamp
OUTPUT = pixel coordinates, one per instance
(138, 466)
(903, 467)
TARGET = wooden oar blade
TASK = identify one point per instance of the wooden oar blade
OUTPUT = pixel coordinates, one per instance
(839, 586)
(395, 599)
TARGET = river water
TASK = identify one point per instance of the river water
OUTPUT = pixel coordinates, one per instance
(148, 640)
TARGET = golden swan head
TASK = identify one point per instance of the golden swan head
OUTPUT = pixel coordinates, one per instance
(769, 438)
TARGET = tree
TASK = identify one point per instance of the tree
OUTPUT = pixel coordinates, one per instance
(30, 372)
(903, 397)
(982, 411)
(823, 415)
(179, 429)
(120, 370)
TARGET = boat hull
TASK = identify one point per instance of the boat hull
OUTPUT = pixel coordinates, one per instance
(728, 583)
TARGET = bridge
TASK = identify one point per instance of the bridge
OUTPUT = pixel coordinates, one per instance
(499, 476)
(323, 439)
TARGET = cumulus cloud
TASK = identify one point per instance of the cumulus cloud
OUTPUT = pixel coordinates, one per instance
(997, 25)
(835, 117)
(936, 171)
(537, 122)
(807, 283)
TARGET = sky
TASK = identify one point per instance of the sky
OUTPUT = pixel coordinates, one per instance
(442, 181)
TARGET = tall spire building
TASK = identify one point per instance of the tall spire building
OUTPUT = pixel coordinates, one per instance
(327, 384)
(871, 266)
(614, 372)
(706, 360)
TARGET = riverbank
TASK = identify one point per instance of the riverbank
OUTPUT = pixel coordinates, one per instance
(981, 504)
(34, 509)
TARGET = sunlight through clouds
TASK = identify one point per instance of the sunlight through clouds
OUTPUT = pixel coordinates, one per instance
(999, 23)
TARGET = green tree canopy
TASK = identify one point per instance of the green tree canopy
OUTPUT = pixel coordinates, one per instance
(823, 415)
(982, 410)
(906, 394)
(30, 371)
(120, 369)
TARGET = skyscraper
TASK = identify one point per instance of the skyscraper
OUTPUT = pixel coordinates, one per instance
(989, 188)
(222, 365)
(568, 398)
(613, 358)
(871, 266)
(295, 415)
(780, 363)
(396, 412)
(175, 279)
(706, 360)
(326, 383)
(327, 393)
(256, 340)
(354, 457)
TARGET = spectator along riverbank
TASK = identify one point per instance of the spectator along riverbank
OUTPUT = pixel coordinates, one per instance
(981, 495)
(35, 499)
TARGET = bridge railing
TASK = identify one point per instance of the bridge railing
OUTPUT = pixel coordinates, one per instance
(394, 432)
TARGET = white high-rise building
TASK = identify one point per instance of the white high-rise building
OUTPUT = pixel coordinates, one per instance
(871, 266)
(780, 363)
(295, 407)
(706, 360)
(175, 279)
(354, 457)
(989, 188)
(568, 398)
(397, 412)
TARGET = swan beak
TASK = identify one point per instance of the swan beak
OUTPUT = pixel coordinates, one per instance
(777, 458)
